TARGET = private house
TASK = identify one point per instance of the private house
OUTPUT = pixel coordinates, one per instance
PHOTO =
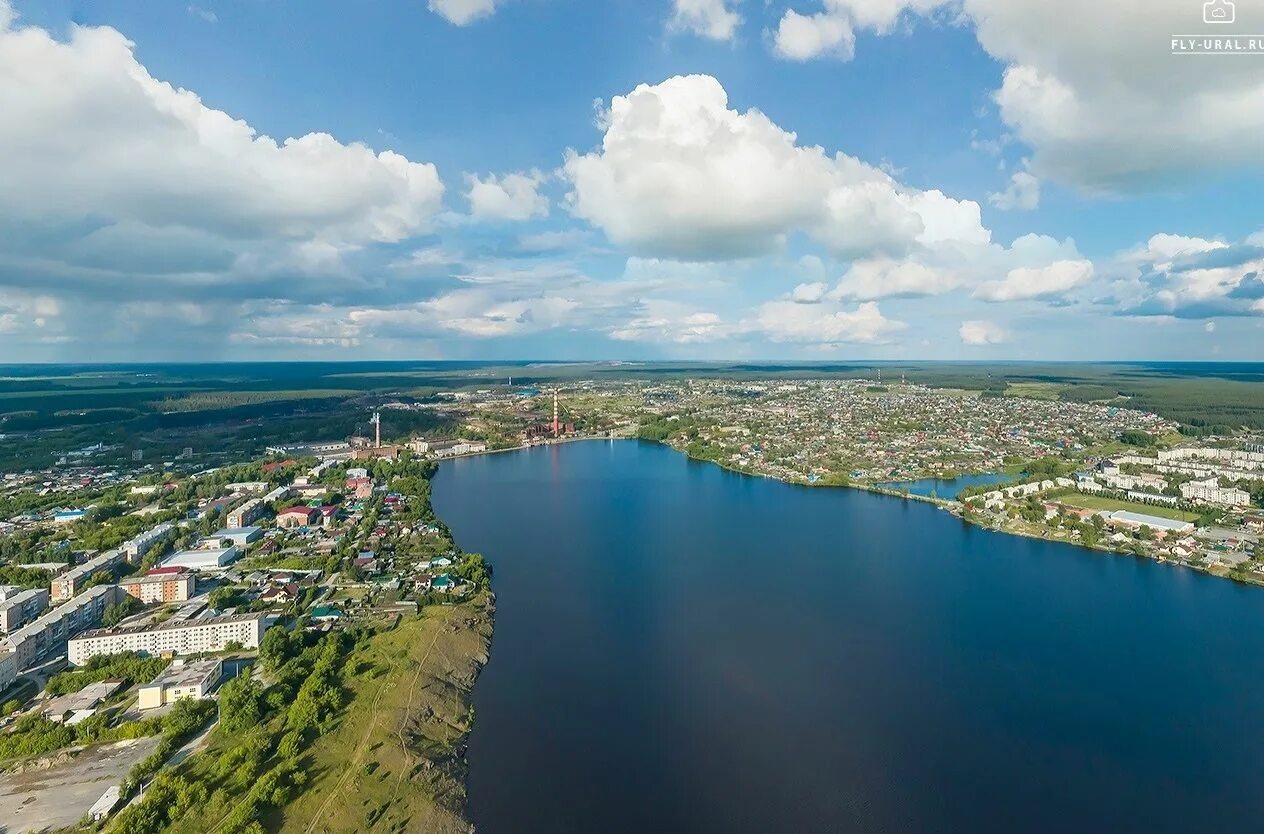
(297, 517)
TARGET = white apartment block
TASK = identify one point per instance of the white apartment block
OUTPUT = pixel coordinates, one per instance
(192, 637)
(1235, 457)
(1210, 492)
(136, 548)
(21, 608)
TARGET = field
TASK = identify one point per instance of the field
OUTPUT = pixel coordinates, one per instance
(1034, 390)
(396, 762)
(1098, 502)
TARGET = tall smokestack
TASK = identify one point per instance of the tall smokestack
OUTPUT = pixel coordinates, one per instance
(557, 429)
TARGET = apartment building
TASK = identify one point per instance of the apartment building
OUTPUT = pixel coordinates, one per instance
(136, 548)
(247, 513)
(47, 635)
(192, 637)
(72, 582)
(170, 584)
(21, 608)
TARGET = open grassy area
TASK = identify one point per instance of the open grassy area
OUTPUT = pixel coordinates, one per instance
(396, 761)
(1034, 390)
(1100, 502)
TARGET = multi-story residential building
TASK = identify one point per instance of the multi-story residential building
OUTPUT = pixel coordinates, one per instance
(69, 584)
(136, 548)
(192, 637)
(21, 608)
(48, 634)
(8, 670)
(1211, 492)
(247, 513)
(170, 584)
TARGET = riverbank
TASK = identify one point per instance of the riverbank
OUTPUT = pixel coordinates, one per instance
(396, 762)
(956, 508)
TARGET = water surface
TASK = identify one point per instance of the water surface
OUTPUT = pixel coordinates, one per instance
(948, 487)
(683, 649)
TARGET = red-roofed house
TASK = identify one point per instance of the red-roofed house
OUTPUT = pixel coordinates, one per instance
(297, 517)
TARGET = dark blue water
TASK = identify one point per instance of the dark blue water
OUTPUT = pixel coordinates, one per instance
(948, 487)
(683, 649)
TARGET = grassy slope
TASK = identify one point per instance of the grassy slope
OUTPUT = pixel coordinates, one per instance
(396, 761)
(1099, 502)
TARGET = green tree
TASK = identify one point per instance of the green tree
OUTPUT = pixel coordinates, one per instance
(240, 704)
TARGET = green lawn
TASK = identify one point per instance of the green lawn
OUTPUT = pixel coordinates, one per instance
(1101, 502)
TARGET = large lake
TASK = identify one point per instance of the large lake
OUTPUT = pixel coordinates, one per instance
(683, 649)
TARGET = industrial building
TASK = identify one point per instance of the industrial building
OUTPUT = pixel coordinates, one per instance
(173, 584)
(203, 558)
(48, 634)
(21, 608)
(240, 536)
(180, 681)
(193, 637)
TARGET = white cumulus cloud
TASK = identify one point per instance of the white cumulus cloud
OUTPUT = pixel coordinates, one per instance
(713, 19)
(463, 12)
(679, 174)
(978, 333)
(1022, 194)
(1047, 281)
(88, 132)
(511, 197)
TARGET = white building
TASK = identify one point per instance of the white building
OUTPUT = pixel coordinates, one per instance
(240, 536)
(1211, 492)
(248, 486)
(136, 548)
(191, 637)
(180, 681)
(21, 608)
(202, 558)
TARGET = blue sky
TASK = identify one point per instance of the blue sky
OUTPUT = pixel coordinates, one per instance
(562, 179)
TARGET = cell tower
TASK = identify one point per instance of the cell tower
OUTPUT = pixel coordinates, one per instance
(376, 420)
(556, 426)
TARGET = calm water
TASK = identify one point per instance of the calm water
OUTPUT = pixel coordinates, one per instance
(948, 487)
(679, 648)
